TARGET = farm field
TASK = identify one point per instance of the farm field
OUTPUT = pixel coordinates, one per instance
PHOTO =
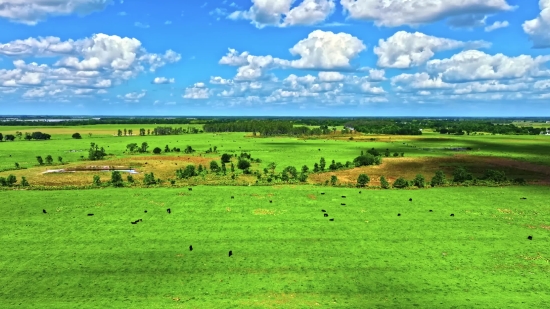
(286, 254)
(518, 156)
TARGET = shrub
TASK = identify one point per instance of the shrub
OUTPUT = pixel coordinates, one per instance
(302, 177)
(438, 179)
(3, 182)
(333, 180)
(11, 180)
(214, 167)
(419, 181)
(186, 173)
(395, 154)
(40, 160)
(49, 159)
(24, 182)
(384, 183)
(130, 178)
(149, 179)
(461, 175)
(77, 136)
(400, 183)
(366, 160)
(157, 150)
(363, 180)
(519, 181)
(495, 176)
(243, 164)
(97, 180)
(116, 179)
(226, 158)
(374, 152)
(16, 165)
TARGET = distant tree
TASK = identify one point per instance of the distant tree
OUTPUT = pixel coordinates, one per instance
(374, 152)
(130, 132)
(332, 166)
(322, 164)
(3, 182)
(49, 159)
(119, 133)
(157, 150)
(333, 180)
(142, 132)
(438, 179)
(132, 147)
(363, 180)
(232, 168)
(130, 178)
(402, 154)
(200, 169)
(461, 175)
(166, 149)
(1, 137)
(419, 181)
(384, 183)
(215, 148)
(116, 179)
(186, 173)
(272, 166)
(292, 171)
(97, 181)
(60, 159)
(89, 134)
(24, 182)
(316, 168)
(387, 153)
(149, 179)
(305, 169)
(125, 132)
(40, 160)
(303, 177)
(19, 135)
(96, 153)
(9, 137)
(226, 158)
(366, 160)
(189, 150)
(224, 169)
(144, 147)
(77, 136)
(284, 176)
(11, 180)
(243, 164)
(148, 131)
(400, 183)
(395, 154)
(214, 167)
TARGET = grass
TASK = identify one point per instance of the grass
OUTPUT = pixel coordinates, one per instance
(286, 254)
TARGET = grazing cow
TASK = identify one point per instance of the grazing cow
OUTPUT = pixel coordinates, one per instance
(146, 211)
(190, 189)
(343, 196)
(431, 210)
(134, 222)
(44, 211)
(169, 211)
(530, 237)
(322, 193)
(452, 215)
(399, 215)
(319, 149)
(343, 204)
(410, 200)
(190, 248)
(332, 219)
(89, 215)
(232, 197)
(230, 253)
(359, 192)
(325, 215)
(523, 198)
(323, 210)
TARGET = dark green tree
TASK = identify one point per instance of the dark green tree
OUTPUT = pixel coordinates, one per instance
(214, 167)
(77, 136)
(130, 178)
(322, 164)
(384, 183)
(316, 168)
(166, 149)
(387, 153)
(16, 165)
(49, 159)
(243, 164)
(97, 181)
(305, 169)
(461, 175)
(11, 180)
(363, 180)
(132, 147)
(116, 179)
(400, 183)
(24, 182)
(144, 147)
(157, 150)
(419, 181)
(438, 179)
(333, 180)
(60, 159)
(226, 158)
(40, 160)
(149, 179)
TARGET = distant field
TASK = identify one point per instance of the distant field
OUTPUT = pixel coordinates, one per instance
(286, 254)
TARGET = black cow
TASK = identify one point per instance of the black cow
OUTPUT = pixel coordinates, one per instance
(190, 248)
(343, 204)
(410, 200)
(431, 210)
(146, 211)
(134, 222)
(452, 215)
(343, 196)
(523, 198)
(530, 237)
(44, 211)
(190, 189)
(271, 201)
(325, 215)
(322, 193)
(399, 215)
(323, 210)
(359, 192)
(232, 197)
(89, 215)
(169, 211)
(230, 253)
(331, 219)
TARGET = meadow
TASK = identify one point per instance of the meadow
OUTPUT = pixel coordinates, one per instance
(286, 254)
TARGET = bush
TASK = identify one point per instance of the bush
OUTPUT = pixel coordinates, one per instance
(3, 182)
(495, 176)
(333, 180)
(214, 167)
(374, 152)
(243, 164)
(149, 179)
(460, 175)
(97, 181)
(400, 183)
(302, 177)
(419, 181)
(116, 179)
(130, 178)
(77, 136)
(11, 180)
(365, 160)
(363, 180)
(226, 158)
(49, 159)
(157, 150)
(40, 160)
(519, 181)
(395, 154)
(384, 183)
(438, 179)
(24, 182)
(186, 173)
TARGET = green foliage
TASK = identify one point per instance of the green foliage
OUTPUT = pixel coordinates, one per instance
(303, 177)
(226, 158)
(3, 182)
(24, 182)
(130, 178)
(189, 150)
(11, 180)
(387, 153)
(438, 179)
(316, 168)
(96, 153)
(460, 175)
(166, 148)
(76, 136)
(305, 169)
(157, 150)
(132, 147)
(363, 180)
(322, 164)
(49, 159)
(400, 183)
(374, 152)
(333, 180)
(149, 179)
(292, 171)
(243, 164)
(144, 147)
(40, 160)
(384, 183)
(16, 165)
(495, 176)
(419, 181)
(60, 160)
(186, 173)
(367, 160)
(395, 154)
(97, 181)
(214, 166)
(116, 179)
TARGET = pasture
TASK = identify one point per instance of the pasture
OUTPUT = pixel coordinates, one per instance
(286, 254)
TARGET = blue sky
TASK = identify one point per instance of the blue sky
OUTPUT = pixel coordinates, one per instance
(275, 57)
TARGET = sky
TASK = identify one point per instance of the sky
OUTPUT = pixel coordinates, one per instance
(275, 57)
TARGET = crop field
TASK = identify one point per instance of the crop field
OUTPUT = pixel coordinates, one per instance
(286, 254)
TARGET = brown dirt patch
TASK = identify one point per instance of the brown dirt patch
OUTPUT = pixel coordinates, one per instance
(264, 212)
(311, 196)
(393, 168)
(546, 227)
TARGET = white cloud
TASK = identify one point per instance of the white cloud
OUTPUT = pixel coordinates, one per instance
(168, 22)
(280, 13)
(141, 25)
(497, 25)
(122, 14)
(537, 28)
(133, 96)
(474, 65)
(217, 80)
(163, 80)
(197, 93)
(330, 77)
(394, 13)
(31, 12)
(405, 50)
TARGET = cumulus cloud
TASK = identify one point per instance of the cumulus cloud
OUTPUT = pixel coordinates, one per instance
(537, 28)
(31, 12)
(163, 80)
(280, 13)
(404, 50)
(197, 92)
(394, 13)
(497, 25)
(474, 65)
(133, 96)
(141, 25)
(330, 77)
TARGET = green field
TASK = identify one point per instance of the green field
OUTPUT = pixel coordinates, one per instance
(286, 254)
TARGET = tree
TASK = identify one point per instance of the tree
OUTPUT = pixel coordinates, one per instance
(224, 169)
(461, 175)
(495, 176)
(332, 166)
(24, 182)
(11, 180)
(142, 132)
(77, 136)
(272, 166)
(97, 181)
(384, 183)
(363, 180)
(19, 135)
(243, 164)
(89, 134)
(130, 178)
(130, 132)
(116, 179)
(149, 179)
(119, 133)
(125, 132)
(387, 153)
(131, 147)
(316, 168)
(438, 179)
(395, 154)
(419, 181)
(16, 165)
(1, 137)
(214, 167)
(9, 137)
(284, 176)
(144, 147)
(232, 168)
(96, 153)
(40, 160)
(303, 177)
(148, 131)
(226, 158)
(400, 183)
(157, 150)
(60, 159)
(322, 164)
(333, 180)
(166, 149)
(189, 149)
(305, 169)
(3, 182)
(49, 159)
(186, 173)
(292, 171)
(366, 160)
